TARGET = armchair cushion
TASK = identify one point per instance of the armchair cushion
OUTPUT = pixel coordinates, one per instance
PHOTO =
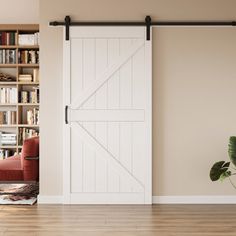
(10, 169)
(30, 167)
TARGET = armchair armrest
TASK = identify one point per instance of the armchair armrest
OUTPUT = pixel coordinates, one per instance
(31, 158)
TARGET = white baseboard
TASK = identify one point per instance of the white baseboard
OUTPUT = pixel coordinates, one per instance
(50, 199)
(205, 199)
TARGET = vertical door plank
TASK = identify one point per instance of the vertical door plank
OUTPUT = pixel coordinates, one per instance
(113, 103)
(139, 102)
(126, 81)
(75, 88)
(101, 127)
(88, 79)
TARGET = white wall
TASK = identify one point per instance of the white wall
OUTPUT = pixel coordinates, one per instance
(194, 94)
(19, 11)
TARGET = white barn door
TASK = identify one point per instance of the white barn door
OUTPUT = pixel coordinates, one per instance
(107, 141)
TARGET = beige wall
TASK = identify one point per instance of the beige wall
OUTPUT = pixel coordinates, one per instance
(194, 81)
(19, 11)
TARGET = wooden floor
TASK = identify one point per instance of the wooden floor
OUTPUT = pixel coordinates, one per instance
(171, 220)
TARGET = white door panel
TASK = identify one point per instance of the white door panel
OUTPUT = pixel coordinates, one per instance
(107, 82)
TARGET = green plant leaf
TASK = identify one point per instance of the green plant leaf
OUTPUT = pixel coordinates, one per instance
(225, 175)
(232, 149)
(218, 169)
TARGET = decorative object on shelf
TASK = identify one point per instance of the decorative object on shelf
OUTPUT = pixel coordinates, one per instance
(6, 78)
(222, 170)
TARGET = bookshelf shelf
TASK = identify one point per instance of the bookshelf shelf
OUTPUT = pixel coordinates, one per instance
(18, 65)
(8, 46)
(28, 83)
(28, 47)
(28, 126)
(23, 60)
(8, 83)
(28, 104)
(28, 65)
(8, 147)
(8, 104)
(8, 65)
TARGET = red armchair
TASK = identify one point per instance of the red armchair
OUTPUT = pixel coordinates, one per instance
(24, 167)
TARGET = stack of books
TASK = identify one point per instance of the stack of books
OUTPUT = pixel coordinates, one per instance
(7, 56)
(28, 39)
(7, 38)
(33, 116)
(7, 117)
(8, 95)
(25, 133)
(8, 139)
(25, 78)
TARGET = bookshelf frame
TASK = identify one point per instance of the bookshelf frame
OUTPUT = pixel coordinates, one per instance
(18, 28)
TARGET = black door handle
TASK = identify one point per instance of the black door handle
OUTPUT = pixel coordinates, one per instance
(66, 114)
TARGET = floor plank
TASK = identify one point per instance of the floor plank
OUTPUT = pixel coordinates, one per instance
(118, 220)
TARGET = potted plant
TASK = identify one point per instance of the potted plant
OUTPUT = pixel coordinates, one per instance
(221, 169)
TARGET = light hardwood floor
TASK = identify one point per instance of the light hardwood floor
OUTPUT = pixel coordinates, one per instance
(163, 220)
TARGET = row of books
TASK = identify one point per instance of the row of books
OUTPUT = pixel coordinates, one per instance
(8, 38)
(5, 153)
(28, 56)
(30, 96)
(32, 116)
(28, 39)
(7, 56)
(7, 117)
(7, 139)
(34, 77)
(8, 95)
(25, 133)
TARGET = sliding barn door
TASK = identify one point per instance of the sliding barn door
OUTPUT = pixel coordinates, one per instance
(107, 88)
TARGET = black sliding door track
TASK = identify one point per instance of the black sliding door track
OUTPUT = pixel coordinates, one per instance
(148, 23)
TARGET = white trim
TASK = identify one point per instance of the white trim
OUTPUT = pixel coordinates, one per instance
(194, 199)
(108, 198)
(66, 127)
(50, 199)
(202, 199)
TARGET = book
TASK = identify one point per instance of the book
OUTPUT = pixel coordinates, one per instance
(7, 117)
(8, 95)
(32, 116)
(7, 56)
(28, 39)
(36, 75)
(25, 133)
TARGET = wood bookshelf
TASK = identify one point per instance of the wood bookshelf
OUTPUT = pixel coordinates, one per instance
(15, 70)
